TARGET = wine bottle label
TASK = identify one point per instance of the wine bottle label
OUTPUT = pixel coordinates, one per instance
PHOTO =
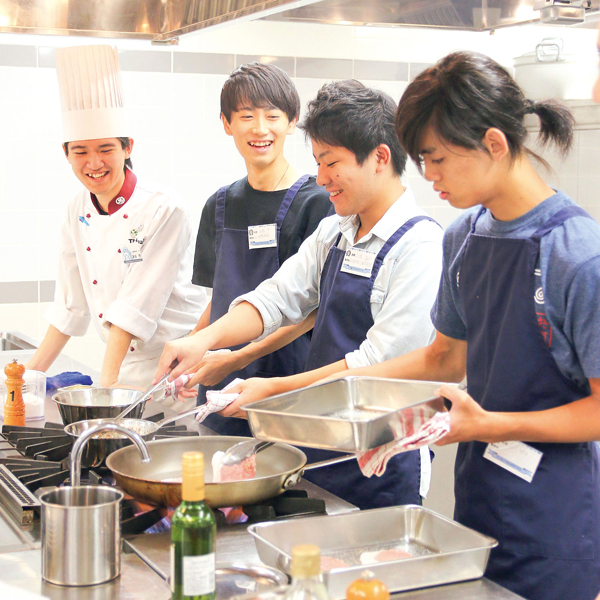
(199, 574)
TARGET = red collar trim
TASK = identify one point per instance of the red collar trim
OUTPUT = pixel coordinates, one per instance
(121, 199)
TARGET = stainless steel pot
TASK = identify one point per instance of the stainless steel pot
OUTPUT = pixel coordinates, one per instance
(81, 535)
(98, 448)
(158, 482)
(96, 403)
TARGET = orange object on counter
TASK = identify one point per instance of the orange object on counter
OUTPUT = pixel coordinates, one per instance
(14, 408)
(367, 588)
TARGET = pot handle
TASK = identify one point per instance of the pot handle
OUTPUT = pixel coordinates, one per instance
(294, 478)
(550, 50)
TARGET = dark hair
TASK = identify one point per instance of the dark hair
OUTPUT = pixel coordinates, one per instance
(124, 144)
(358, 118)
(261, 86)
(467, 93)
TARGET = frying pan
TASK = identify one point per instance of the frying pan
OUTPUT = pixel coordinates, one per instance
(277, 469)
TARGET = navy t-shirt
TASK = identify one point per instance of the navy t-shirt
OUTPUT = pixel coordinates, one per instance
(567, 282)
(245, 206)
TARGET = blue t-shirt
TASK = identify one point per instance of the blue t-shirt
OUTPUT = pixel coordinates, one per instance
(567, 297)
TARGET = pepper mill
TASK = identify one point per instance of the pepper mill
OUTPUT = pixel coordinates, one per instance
(14, 408)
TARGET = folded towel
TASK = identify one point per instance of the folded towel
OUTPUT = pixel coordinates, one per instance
(217, 400)
(425, 426)
(66, 379)
(174, 387)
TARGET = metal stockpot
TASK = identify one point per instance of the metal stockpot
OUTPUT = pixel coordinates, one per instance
(81, 535)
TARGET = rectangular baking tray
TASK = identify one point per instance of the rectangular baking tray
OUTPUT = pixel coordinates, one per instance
(443, 551)
(352, 414)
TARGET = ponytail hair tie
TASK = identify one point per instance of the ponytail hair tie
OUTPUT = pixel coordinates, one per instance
(529, 106)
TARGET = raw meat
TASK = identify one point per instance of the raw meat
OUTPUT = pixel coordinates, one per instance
(328, 563)
(246, 469)
(369, 558)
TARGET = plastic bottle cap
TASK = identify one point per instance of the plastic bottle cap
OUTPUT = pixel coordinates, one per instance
(192, 487)
(306, 560)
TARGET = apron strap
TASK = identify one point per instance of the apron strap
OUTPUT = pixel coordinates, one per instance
(558, 219)
(288, 199)
(392, 242)
(481, 211)
(220, 216)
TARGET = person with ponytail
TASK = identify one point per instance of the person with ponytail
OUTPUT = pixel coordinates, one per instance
(517, 313)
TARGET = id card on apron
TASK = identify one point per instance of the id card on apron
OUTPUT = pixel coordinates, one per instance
(358, 262)
(262, 236)
(518, 458)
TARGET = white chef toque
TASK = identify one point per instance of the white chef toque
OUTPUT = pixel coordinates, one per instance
(91, 93)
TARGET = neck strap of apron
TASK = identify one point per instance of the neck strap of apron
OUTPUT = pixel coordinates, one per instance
(558, 219)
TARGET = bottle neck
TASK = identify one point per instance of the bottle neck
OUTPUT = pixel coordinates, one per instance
(192, 487)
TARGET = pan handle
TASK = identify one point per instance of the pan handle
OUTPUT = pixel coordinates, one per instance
(294, 478)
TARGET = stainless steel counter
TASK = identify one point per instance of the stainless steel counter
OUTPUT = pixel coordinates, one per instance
(145, 560)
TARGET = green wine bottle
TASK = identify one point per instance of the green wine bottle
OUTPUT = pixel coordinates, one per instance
(193, 537)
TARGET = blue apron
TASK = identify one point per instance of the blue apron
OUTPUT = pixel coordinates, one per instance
(548, 530)
(343, 320)
(239, 270)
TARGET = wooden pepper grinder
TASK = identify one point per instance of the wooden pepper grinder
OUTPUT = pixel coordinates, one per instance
(14, 408)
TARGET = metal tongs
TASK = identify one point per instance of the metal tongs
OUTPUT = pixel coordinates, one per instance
(243, 450)
(148, 393)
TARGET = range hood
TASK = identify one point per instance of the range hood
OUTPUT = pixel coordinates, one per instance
(163, 21)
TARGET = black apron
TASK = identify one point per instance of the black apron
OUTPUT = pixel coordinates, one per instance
(343, 320)
(548, 530)
(239, 270)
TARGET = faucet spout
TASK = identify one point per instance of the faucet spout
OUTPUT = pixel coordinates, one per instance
(76, 453)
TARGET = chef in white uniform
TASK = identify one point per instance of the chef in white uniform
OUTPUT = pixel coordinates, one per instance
(126, 250)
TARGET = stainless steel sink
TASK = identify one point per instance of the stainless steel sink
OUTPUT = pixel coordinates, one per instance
(11, 341)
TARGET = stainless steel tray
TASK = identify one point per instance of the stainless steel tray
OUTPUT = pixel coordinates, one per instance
(352, 414)
(443, 550)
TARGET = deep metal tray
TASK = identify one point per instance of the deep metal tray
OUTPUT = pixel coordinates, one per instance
(443, 550)
(352, 414)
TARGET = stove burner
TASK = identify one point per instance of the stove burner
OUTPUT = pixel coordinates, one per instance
(36, 459)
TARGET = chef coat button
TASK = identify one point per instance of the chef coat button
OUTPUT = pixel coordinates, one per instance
(126, 216)
(100, 315)
(94, 282)
(119, 250)
(88, 248)
(120, 200)
(131, 349)
(88, 216)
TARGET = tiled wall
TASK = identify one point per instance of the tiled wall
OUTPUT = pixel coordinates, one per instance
(173, 97)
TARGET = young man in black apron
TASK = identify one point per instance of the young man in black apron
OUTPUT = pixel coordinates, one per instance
(249, 228)
(372, 270)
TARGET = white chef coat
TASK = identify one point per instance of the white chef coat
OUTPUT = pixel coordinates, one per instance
(153, 298)
(403, 292)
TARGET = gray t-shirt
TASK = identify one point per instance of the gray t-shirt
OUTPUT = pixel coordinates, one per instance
(567, 282)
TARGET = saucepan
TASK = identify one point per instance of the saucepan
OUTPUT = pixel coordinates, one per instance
(96, 403)
(107, 442)
(158, 482)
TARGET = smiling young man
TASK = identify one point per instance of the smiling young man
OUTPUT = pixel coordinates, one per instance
(372, 271)
(126, 243)
(248, 229)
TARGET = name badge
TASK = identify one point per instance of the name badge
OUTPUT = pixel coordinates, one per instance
(518, 458)
(262, 236)
(358, 262)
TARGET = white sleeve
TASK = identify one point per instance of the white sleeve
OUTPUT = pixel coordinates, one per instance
(402, 323)
(69, 312)
(149, 283)
(292, 293)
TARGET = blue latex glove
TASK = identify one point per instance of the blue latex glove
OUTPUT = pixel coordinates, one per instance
(66, 379)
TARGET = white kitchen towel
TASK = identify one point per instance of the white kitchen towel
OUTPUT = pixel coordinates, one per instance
(217, 400)
(421, 427)
(174, 387)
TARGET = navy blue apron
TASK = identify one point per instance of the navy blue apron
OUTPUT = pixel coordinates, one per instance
(343, 320)
(239, 270)
(548, 530)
